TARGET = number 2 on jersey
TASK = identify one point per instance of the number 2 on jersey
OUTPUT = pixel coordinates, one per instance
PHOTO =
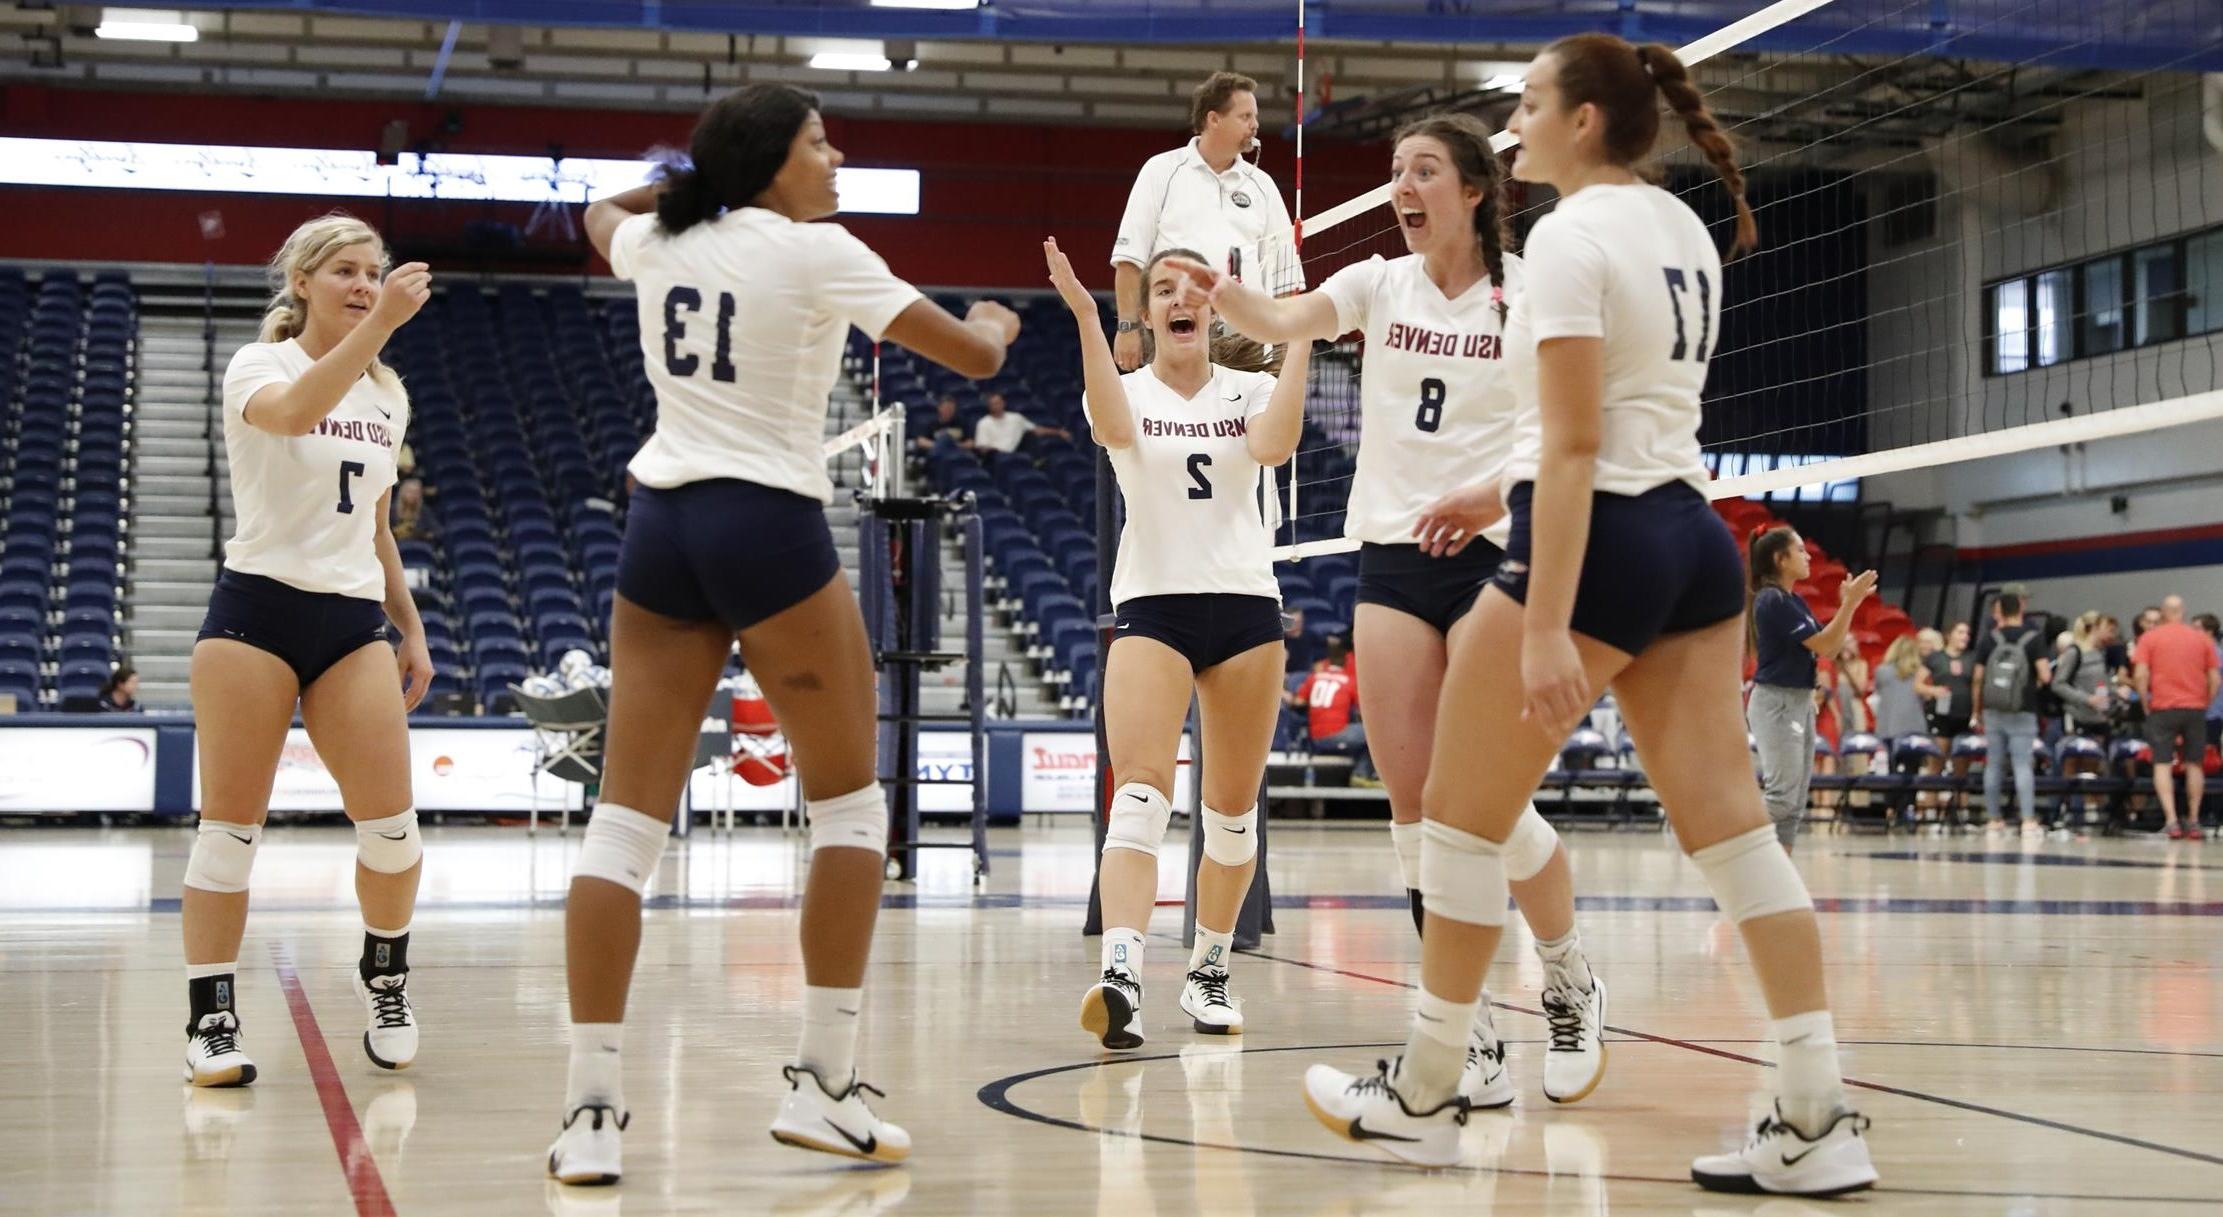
(675, 328)
(1198, 463)
(1678, 288)
(349, 471)
(1431, 406)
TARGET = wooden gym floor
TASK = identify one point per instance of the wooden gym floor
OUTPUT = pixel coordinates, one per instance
(2035, 1030)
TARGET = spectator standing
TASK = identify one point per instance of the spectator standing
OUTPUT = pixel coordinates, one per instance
(1302, 648)
(1902, 688)
(1003, 429)
(1953, 674)
(2177, 679)
(2214, 630)
(1785, 638)
(2080, 675)
(1203, 196)
(2014, 666)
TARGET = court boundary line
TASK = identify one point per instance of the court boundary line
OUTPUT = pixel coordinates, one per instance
(996, 1096)
(364, 1184)
(1880, 1087)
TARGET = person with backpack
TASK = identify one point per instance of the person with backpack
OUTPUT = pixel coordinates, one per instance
(2012, 669)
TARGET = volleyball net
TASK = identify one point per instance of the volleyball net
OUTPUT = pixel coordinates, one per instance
(1963, 258)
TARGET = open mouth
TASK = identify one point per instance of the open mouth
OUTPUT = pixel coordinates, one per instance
(358, 307)
(1181, 327)
(1413, 218)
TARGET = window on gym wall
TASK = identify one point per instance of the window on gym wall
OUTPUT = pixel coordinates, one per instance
(2115, 302)
(2203, 283)
(2156, 293)
(2100, 331)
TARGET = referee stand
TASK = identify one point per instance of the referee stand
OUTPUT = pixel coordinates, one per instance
(899, 568)
(1257, 916)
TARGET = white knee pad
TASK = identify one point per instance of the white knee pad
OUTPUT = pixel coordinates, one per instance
(1462, 876)
(1138, 818)
(389, 846)
(621, 846)
(1751, 876)
(1532, 844)
(1405, 839)
(223, 856)
(1230, 840)
(857, 820)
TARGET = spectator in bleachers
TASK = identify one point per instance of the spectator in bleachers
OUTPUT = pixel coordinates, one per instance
(2013, 668)
(1953, 673)
(1303, 649)
(2178, 680)
(1786, 639)
(1003, 429)
(120, 692)
(947, 428)
(1203, 196)
(412, 520)
(1329, 697)
(2080, 675)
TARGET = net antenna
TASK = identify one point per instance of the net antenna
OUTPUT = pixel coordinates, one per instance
(1343, 373)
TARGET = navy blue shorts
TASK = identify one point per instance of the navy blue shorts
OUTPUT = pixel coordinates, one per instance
(1439, 591)
(1658, 563)
(311, 631)
(724, 550)
(1207, 628)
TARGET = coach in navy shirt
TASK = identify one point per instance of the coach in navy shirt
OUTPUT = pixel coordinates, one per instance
(1785, 638)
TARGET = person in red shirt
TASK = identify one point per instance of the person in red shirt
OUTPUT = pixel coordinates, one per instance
(1329, 696)
(2177, 678)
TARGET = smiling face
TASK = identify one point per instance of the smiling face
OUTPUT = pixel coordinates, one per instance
(1957, 641)
(804, 187)
(1434, 207)
(340, 292)
(1175, 326)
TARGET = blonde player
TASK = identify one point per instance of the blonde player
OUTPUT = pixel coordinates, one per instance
(312, 420)
(744, 308)
(1617, 574)
(1436, 409)
(1197, 611)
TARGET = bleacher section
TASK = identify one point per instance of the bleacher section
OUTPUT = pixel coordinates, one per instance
(66, 360)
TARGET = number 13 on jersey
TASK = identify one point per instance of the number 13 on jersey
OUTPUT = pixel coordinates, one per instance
(1678, 295)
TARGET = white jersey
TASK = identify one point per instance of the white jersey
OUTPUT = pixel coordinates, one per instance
(307, 505)
(742, 323)
(1632, 265)
(1178, 202)
(1196, 499)
(1435, 406)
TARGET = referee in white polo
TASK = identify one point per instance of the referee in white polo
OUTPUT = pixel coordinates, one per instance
(1203, 196)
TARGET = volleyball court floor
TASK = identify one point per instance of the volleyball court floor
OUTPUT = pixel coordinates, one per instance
(2035, 1030)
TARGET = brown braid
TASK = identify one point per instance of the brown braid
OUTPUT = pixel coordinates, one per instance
(1706, 134)
(1467, 138)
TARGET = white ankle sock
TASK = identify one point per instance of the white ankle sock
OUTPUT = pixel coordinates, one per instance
(202, 971)
(1565, 955)
(1213, 950)
(1435, 1051)
(1123, 951)
(1484, 1025)
(829, 1043)
(1813, 1083)
(597, 1075)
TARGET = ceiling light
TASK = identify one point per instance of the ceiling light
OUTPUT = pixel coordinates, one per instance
(948, 5)
(1504, 84)
(145, 25)
(849, 61)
